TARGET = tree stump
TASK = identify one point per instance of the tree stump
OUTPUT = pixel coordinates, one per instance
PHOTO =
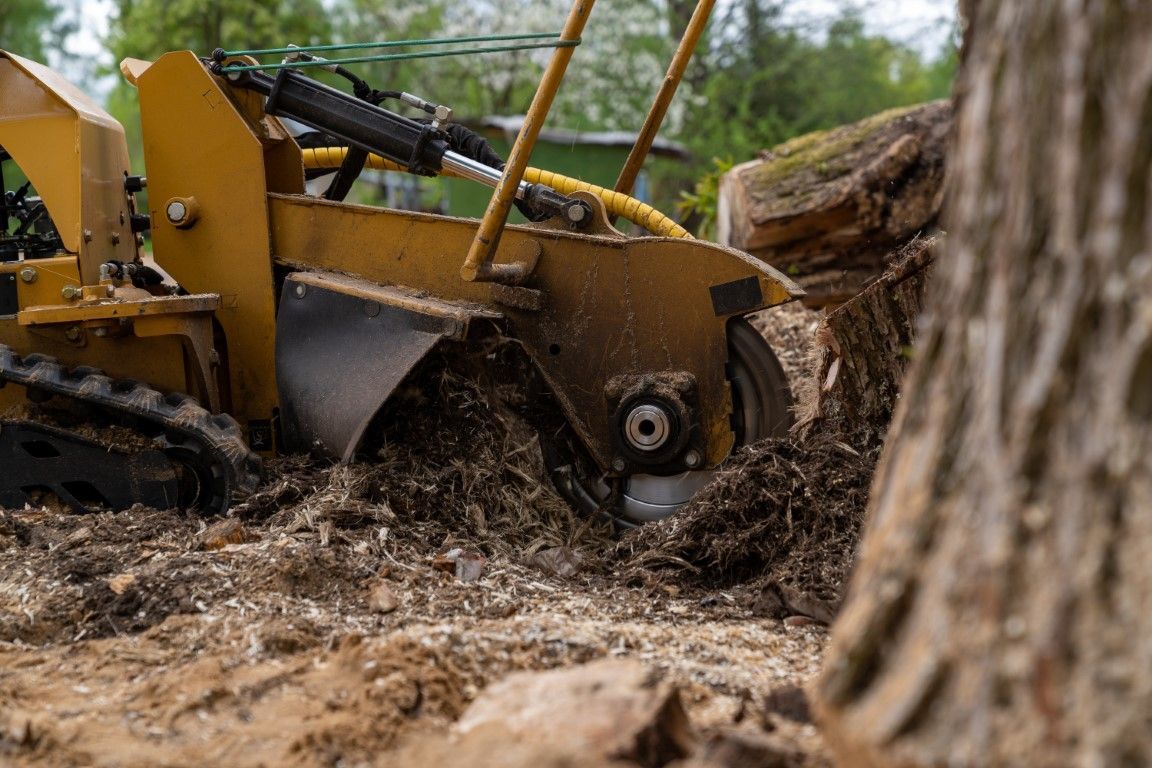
(861, 350)
(829, 207)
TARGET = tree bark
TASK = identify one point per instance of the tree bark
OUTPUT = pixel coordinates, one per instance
(829, 207)
(861, 349)
(1000, 611)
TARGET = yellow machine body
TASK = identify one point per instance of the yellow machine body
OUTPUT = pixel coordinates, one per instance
(75, 155)
(596, 311)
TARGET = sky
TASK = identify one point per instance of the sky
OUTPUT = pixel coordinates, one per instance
(923, 24)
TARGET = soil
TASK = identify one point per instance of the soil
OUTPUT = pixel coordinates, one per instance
(348, 615)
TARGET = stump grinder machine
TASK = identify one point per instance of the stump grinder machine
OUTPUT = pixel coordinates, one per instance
(270, 320)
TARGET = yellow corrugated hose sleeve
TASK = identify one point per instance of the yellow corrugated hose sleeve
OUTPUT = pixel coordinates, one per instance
(617, 203)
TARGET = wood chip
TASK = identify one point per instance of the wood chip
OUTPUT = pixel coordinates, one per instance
(383, 599)
(121, 583)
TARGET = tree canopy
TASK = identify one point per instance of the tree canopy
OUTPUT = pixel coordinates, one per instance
(767, 81)
(149, 28)
(32, 28)
(757, 79)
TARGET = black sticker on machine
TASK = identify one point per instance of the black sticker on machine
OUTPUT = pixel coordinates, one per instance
(738, 296)
(9, 303)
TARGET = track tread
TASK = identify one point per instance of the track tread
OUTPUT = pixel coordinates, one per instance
(176, 413)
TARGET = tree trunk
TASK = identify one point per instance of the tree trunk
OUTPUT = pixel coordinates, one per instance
(829, 207)
(1000, 611)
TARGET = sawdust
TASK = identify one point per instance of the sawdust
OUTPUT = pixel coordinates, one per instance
(781, 512)
(456, 460)
(144, 637)
(783, 515)
(271, 652)
(790, 330)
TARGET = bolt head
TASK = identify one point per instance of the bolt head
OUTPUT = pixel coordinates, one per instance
(176, 211)
(29, 275)
(300, 290)
(618, 464)
(692, 458)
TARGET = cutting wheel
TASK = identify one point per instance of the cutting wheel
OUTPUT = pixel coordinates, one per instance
(762, 407)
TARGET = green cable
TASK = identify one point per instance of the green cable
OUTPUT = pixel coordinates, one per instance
(399, 56)
(393, 44)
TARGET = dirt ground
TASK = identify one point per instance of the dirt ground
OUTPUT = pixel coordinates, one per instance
(334, 620)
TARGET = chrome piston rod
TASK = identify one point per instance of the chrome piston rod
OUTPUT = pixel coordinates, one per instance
(466, 167)
(538, 196)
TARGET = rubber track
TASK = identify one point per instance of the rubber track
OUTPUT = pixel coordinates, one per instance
(176, 413)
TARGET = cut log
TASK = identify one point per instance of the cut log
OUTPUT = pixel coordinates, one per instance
(829, 207)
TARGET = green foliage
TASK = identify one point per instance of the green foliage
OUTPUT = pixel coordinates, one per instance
(612, 75)
(146, 29)
(32, 28)
(756, 81)
(700, 204)
(767, 83)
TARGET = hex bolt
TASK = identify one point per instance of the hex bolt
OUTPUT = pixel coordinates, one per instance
(29, 275)
(618, 464)
(73, 333)
(692, 458)
(71, 292)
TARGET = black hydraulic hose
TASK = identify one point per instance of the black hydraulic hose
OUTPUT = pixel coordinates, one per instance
(359, 86)
(18, 195)
(346, 174)
(33, 217)
(471, 144)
